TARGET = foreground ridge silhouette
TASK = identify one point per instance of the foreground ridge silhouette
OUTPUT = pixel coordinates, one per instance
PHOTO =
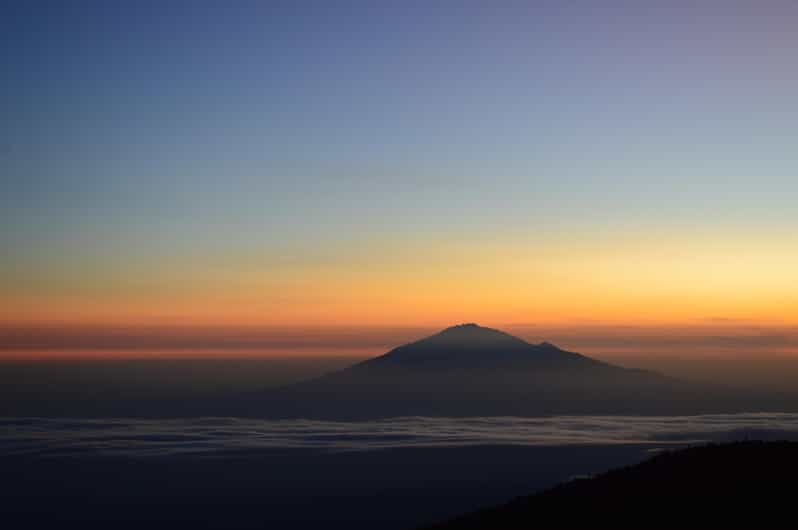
(737, 485)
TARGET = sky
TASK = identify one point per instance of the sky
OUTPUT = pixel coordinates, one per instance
(303, 165)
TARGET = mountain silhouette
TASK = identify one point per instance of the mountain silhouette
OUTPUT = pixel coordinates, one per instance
(470, 346)
(470, 370)
(737, 485)
(464, 370)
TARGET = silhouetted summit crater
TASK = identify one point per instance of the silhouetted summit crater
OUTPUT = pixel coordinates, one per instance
(471, 329)
(462, 327)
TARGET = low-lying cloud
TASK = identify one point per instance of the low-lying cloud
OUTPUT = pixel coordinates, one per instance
(220, 436)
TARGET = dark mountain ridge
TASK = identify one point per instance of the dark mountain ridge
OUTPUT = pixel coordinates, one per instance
(737, 485)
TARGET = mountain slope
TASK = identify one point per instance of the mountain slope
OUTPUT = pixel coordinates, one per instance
(469, 370)
(739, 485)
(469, 346)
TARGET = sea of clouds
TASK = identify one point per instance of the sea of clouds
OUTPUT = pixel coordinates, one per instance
(220, 436)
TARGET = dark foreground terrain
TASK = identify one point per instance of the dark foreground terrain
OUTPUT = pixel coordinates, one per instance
(387, 489)
(737, 485)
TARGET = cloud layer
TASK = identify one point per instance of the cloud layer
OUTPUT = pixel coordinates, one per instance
(219, 436)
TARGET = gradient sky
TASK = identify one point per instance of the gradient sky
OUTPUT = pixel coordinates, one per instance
(295, 164)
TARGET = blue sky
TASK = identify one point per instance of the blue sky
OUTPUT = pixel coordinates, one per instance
(190, 129)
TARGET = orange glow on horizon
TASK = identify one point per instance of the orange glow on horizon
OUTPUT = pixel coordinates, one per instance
(626, 278)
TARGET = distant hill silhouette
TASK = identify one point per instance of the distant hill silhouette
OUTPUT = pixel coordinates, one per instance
(469, 370)
(738, 485)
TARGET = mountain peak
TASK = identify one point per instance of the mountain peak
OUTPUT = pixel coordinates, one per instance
(549, 346)
(468, 326)
(474, 330)
(471, 333)
(465, 325)
(471, 346)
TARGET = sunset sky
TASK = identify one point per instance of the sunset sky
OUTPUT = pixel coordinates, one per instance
(289, 166)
